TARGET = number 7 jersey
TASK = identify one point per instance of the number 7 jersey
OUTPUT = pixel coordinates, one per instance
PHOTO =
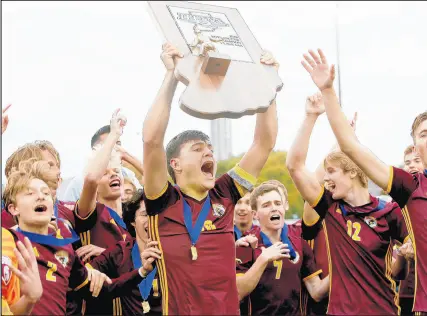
(360, 254)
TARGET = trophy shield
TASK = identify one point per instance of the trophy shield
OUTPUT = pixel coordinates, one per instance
(221, 65)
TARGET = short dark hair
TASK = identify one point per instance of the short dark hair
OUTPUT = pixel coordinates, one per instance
(129, 211)
(174, 146)
(95, 138)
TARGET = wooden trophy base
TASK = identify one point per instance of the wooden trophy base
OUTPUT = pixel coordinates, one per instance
(215, 64)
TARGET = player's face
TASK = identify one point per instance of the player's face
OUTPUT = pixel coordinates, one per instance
(421, 142)
(243, 213)
(197, 163)
(128, 192)
(54, 165)
(270, 211)
(413, 163)
(141, 222)
(110, 185)
(338, 182)
(34, 204)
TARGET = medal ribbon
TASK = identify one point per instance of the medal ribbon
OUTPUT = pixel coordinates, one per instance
(284, 237)
(380, 206)
(50, 240)
(116, 218)
(146, 284)
(194, 231)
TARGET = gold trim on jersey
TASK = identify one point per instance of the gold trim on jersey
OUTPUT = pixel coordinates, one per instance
(239, 274)
(328, 251)
(117, 307)
(388, 274)
(408, 222)
(153, 231)
(390, 180)
(312, 275)
(76, 211)
(307, 223)
(156, 196)
(322, 190)
(85, 238)
(82, 285)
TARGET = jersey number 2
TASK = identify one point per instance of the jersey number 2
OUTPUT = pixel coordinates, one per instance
(356, 226)
(52, 269)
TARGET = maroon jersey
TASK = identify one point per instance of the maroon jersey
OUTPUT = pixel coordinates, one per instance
(316, 238)
(7, 220)
(115, 261)
(279, 289)
(410, 192)
(360, 254)
(59, 270)
(206, 285)
(99, 228)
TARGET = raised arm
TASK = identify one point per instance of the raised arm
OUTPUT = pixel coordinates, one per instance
(98, 164)
(305, 181)
(265, 133)
(323, 76)
(4, 119)
(155, 124)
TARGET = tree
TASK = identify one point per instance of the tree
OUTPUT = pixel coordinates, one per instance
(275, 168)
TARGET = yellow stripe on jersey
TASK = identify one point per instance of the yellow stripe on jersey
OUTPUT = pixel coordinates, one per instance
(312, 275)
(390, 180)
(408, 222)
(5, 310)
(318, 198)
(328, 251)
(307, 223)
(156, 196)
(82, 285)
(154, 235)
(388, 274)
(76, 211)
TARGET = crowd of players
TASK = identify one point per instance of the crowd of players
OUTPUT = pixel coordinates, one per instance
(204, 245)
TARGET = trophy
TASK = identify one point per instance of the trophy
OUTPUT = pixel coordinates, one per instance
(221, 65)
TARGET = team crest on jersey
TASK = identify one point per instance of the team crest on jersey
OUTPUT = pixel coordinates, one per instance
(6, 274)
(218, 210)
(62, 257)
(371, 221)
(295, 261)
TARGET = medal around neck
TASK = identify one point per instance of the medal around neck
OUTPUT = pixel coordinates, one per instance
(221, 65)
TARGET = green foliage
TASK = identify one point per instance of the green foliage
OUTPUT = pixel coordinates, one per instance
(275, 168)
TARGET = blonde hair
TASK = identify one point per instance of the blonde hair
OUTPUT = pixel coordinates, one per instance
(417, 122)
(347, 165)
(261, 190)
(29, 151)
(409, 150)
(20, 178)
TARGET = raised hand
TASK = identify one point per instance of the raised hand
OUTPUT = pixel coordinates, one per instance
(169, 52)
(28, 271)
(354, 121)
(268, 59)
(314, 105)
(117, 123)
(276, 251)
(4, 119)
(149, 255)
(317, 66)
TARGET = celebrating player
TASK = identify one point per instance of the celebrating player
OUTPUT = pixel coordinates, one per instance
(405, 188)
(412, 161)
(243, 216)
(360, 228)
(197, 269)
(28, 197)
(272, 280)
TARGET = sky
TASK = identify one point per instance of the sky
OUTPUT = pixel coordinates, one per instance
(66, 66)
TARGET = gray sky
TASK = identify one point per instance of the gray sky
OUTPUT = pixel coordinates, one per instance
(67, 65)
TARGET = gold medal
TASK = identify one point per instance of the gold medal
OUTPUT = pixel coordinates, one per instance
(145, 307)
(194, 252)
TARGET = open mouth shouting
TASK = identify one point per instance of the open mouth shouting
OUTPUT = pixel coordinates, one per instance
(275, 218)
(115, 183)
(208, 169)
(40, 208)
